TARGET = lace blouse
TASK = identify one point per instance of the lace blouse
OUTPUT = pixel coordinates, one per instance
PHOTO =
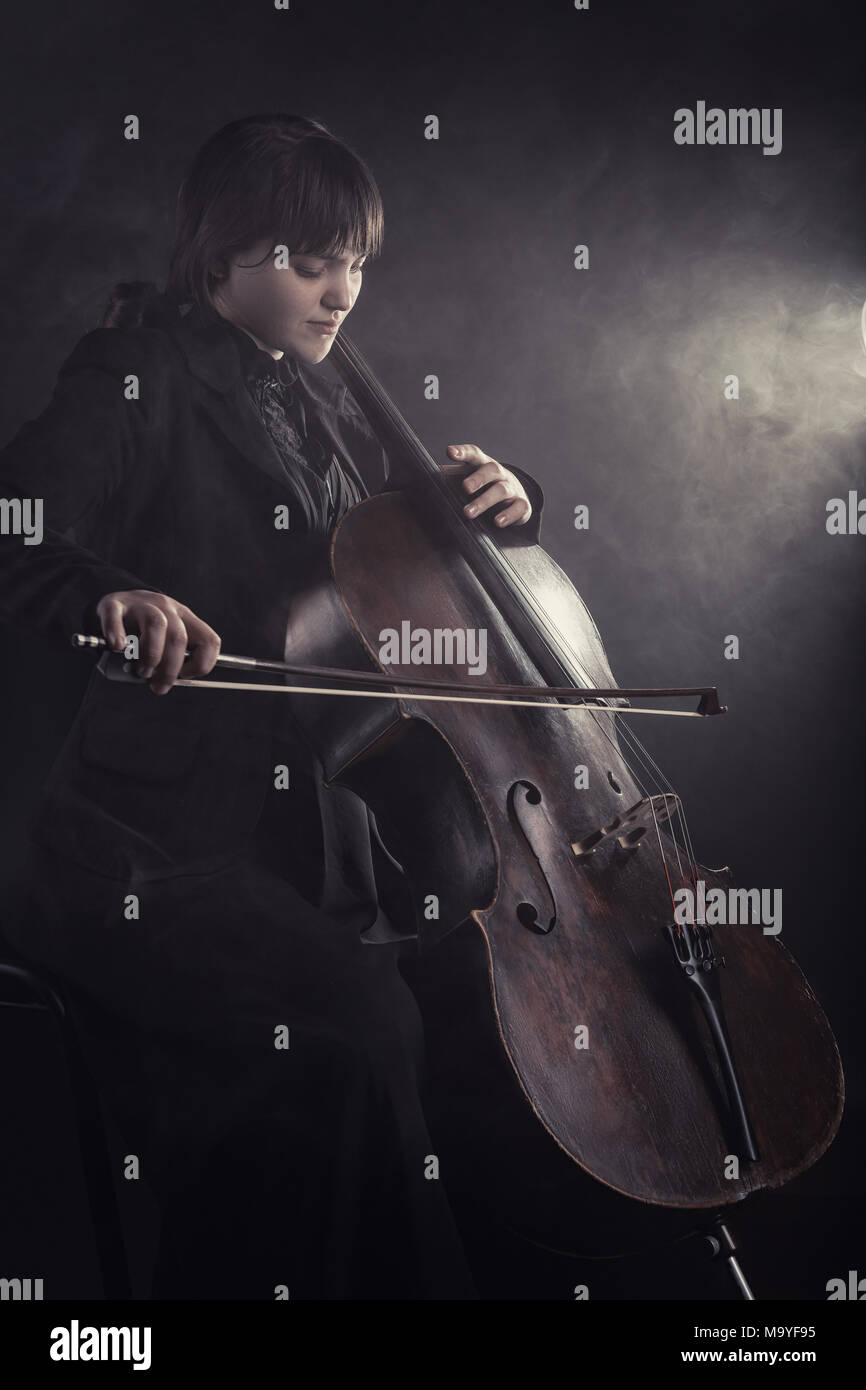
(322, 488)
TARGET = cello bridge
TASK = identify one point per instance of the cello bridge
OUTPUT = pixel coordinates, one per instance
(630, 828)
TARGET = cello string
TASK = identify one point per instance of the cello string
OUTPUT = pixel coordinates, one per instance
(638, 749)
(688, 845)
(649, 762)
(413, 444)
(344, 348)
(646, 791)
(687, 839)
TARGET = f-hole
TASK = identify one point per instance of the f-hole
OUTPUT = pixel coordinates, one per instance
(523, 797)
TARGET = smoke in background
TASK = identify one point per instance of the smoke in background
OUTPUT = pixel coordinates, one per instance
(707, 516)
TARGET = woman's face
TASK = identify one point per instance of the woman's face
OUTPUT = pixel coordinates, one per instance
(284, 310)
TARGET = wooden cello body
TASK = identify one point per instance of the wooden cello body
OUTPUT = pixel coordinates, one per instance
(568, 885)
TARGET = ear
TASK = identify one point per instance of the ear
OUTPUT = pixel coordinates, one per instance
(219, 270)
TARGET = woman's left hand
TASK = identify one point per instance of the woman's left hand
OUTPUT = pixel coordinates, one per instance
(481, 470)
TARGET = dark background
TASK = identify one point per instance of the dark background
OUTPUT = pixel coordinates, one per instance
(706, 516)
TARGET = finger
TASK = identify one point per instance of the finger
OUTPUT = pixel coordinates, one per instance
(458, 469)
(497, 492)
(204, 645)
(152, 625)
(110, 613)
(173, 657)
(516, 514)
(468, 452)
(485, 473)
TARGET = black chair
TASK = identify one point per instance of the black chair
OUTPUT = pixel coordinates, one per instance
(22, 987)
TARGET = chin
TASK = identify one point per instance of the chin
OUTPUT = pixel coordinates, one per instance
(305, 347)
(303, 354)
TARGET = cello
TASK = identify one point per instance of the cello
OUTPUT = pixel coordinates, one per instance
(655, 1052)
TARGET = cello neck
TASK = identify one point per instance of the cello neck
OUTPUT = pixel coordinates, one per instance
(539, 637)
(391, 428)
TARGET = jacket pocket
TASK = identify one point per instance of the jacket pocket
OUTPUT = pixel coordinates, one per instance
(148, 791)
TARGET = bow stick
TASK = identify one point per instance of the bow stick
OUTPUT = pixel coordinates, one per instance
(369, 684)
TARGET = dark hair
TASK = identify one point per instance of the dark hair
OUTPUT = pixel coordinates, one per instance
(283, 178)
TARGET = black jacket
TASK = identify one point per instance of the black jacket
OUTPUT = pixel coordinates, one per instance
(176, 492)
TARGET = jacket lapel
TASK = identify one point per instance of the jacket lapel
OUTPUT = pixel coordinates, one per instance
(213, 360)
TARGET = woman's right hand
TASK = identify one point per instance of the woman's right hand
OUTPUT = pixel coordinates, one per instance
(165, 630)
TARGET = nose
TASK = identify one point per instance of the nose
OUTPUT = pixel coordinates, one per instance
(340, 294)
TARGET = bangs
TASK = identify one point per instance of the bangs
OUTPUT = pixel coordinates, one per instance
(327, 204)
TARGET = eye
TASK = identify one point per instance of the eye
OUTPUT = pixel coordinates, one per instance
(315, 274)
